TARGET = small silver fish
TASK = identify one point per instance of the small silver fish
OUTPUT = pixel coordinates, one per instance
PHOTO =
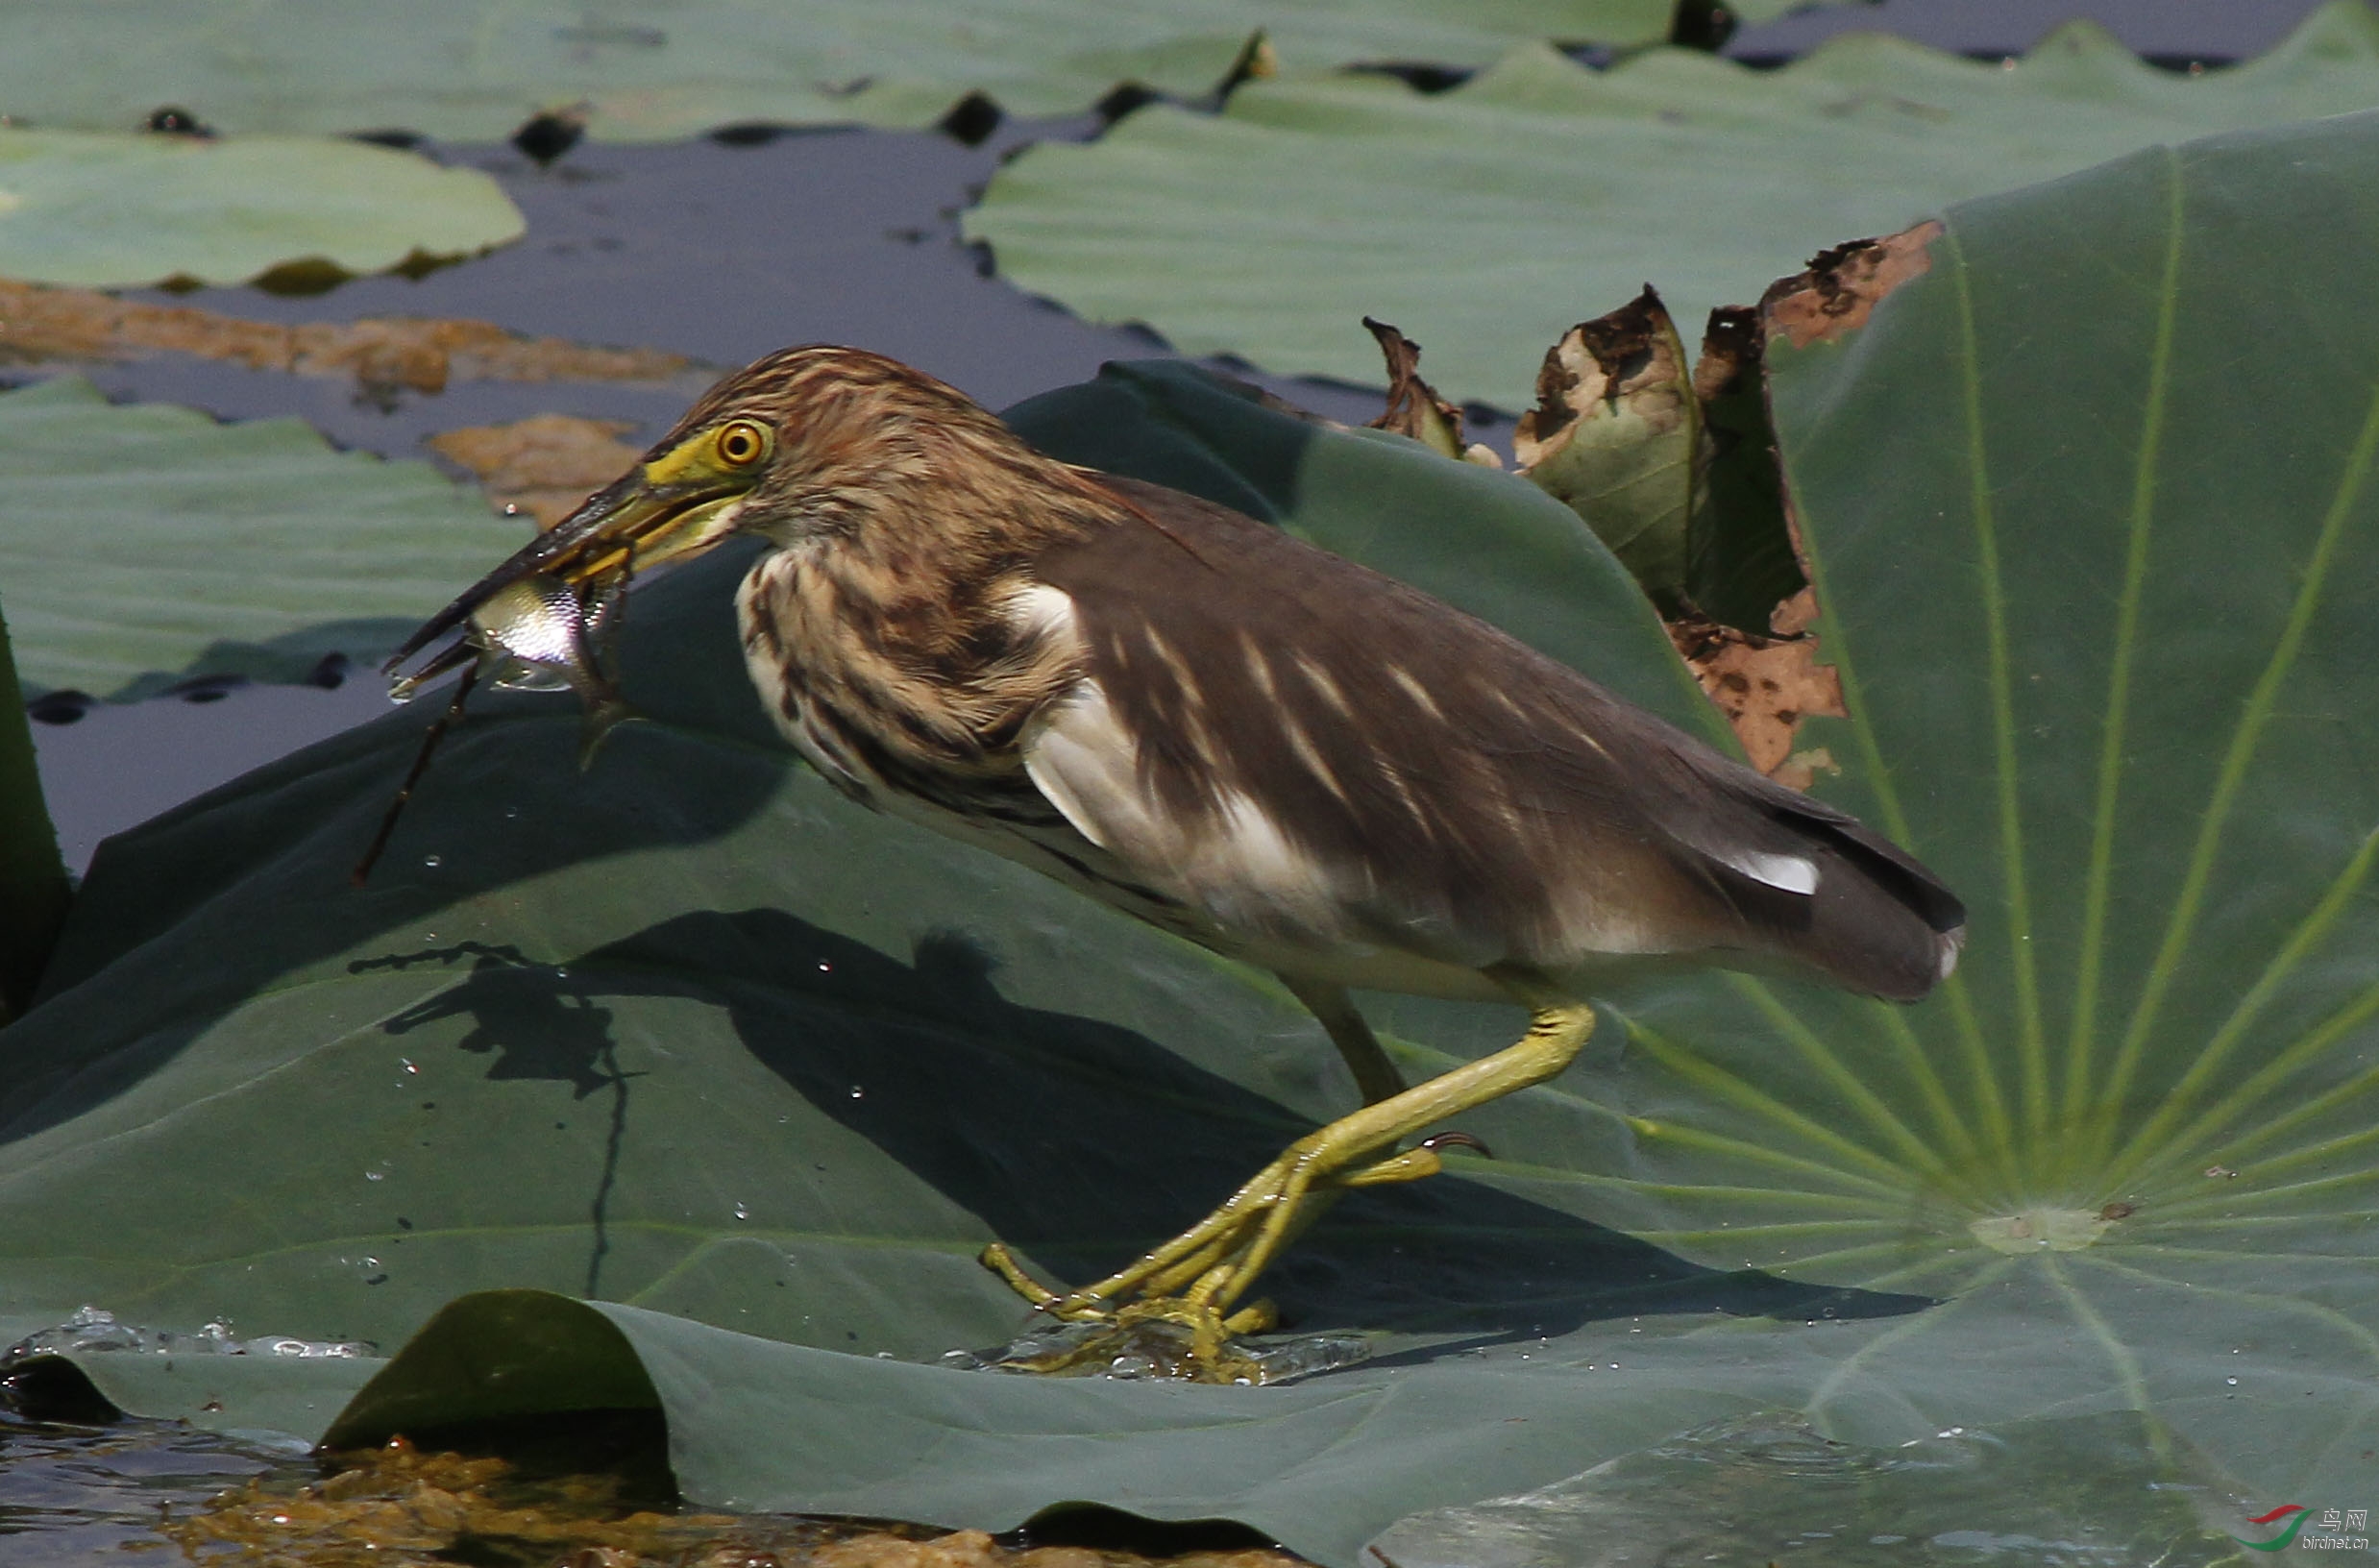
(537, 634)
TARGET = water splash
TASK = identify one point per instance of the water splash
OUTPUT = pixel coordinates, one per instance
(90, 1330)
(1161, 1351)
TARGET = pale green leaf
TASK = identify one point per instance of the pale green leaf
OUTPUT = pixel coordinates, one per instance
(474, 69)
(1484, 221)
(149, 542)
(106, 210)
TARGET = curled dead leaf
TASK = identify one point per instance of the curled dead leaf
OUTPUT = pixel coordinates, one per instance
(1731, 353)
(1616, 436)
(1842, 285)
(416, 354)
(1413, 407)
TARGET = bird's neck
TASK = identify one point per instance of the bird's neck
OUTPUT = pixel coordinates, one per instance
(899, 605)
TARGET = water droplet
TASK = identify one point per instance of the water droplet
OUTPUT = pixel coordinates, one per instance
(434, 862)
(2233, 1382)
(409, 1066)
(742, 1212)
(374, 1175)
(825, 968)
(511, 813)
(858, 1093)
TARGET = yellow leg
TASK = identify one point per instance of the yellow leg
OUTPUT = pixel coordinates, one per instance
(1198, 1276)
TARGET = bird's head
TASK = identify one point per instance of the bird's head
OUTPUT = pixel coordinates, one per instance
(805, 443)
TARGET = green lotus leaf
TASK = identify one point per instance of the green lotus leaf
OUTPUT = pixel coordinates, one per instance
(33, 889)
(106, 210)
(473, 70)
(2076, 1251)
(1486, 220)
(148, 542)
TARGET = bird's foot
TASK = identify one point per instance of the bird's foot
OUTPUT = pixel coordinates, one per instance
(1169, 1313)
(1172, 1338)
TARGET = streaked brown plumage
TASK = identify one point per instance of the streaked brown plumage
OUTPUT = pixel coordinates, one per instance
(1241, 738)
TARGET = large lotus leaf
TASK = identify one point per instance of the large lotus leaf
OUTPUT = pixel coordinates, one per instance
(2088, 508)
(149, 542)
(472, 69)
(106, 210)
(1486, 220)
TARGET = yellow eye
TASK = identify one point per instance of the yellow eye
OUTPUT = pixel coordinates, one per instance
(741, 443)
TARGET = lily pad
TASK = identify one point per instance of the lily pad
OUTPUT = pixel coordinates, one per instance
(114, 211)
(473, 70)
(2104, 1206)
(148, 543)
(1486, 220)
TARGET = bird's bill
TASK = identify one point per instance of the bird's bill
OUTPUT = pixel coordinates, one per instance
(662, 510)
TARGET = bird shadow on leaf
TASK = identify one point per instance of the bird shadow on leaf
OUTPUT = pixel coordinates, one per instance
(1078, 1140)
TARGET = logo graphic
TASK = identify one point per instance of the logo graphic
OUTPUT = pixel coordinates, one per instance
(2295, 1516)
(2335, 1531)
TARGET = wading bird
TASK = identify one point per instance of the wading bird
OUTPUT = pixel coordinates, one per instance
(1232, 735)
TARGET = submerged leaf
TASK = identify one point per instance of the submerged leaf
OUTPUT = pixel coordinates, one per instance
(416, 354)
(544, 465)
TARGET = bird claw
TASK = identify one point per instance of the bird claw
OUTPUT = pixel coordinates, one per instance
(1181, 1337)
(1169, 1338)
(1181, 1325)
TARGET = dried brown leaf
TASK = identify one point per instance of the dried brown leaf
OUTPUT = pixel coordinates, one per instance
(1766, 685)
(1413, 407)
(411, 354)
(399, 1507)
(1845, 283)
(543, 466)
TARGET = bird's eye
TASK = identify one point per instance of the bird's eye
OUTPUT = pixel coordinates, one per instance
(741, 443)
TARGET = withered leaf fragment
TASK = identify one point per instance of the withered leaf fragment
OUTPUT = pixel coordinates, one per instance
(1616, 434)
(1413, 407)
(1765, 685)
(1844, 285)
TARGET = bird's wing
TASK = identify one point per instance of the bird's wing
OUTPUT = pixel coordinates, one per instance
(1311, 749)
